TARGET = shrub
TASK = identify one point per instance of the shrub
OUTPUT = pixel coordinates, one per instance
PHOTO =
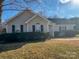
(70, 33)
(21, 37)
(4, 30)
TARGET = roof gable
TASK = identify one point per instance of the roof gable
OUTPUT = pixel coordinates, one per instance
(30, 18)
(20, 14)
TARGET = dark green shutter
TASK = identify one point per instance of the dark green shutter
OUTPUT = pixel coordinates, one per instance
(13, 28)
(21, 27)
(42, 28)
(33, 28)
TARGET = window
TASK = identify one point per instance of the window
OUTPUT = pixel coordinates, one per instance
(21, 27)
(13, 28)
(33, 28)
(62, 28)
(42, 28)
(65, 28)
(38, 29)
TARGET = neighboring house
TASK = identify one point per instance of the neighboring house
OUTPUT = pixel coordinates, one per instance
(28, 21)
(72, 21)
(75, 20)
(63, 24)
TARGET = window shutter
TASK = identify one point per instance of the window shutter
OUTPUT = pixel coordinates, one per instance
(13, 28)
(21, 28)
(33, 28)
(42, 28)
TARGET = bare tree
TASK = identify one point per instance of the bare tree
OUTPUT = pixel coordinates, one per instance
(14, 5)
(1, 1)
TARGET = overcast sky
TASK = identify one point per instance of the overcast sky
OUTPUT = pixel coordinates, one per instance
(50, 8)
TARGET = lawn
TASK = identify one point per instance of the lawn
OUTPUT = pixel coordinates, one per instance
(50, 49)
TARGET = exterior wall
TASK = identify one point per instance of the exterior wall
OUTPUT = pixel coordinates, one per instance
(68, 26)
(54, 27)
(19, 20)
(36, 20)
(76, 27)
(0, 28)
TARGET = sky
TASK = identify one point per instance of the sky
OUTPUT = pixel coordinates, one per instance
(48, 8)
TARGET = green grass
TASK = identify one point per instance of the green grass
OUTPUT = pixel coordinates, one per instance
(41, 50)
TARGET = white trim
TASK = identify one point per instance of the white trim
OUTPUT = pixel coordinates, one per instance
(30, 19)
(48, 27)
(35, 16)
(43, 18)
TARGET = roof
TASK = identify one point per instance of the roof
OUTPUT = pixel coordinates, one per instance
(20, 13)
(29, 18)
(61, 20)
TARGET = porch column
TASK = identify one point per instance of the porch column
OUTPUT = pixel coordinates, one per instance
(27, 28)
(53, 31)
